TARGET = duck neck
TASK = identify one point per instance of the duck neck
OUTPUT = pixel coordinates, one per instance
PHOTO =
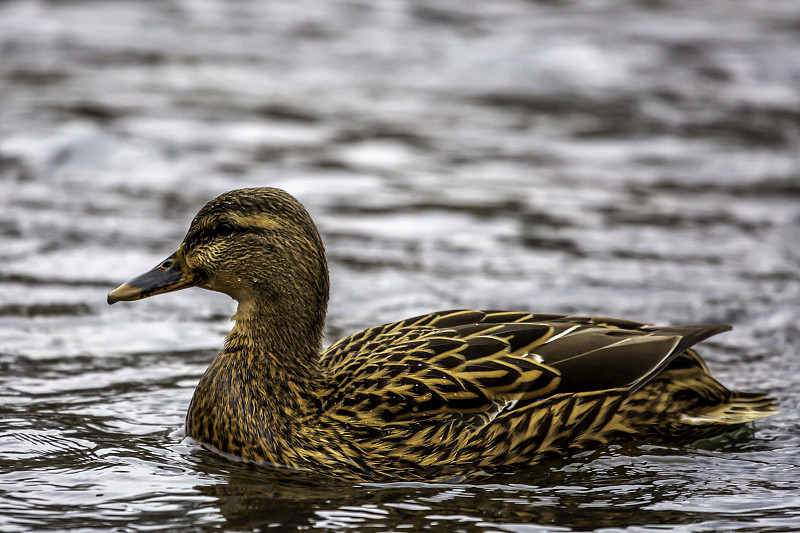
(280, 350)
(258, 393)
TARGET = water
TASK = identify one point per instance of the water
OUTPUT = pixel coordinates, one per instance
(631, 159)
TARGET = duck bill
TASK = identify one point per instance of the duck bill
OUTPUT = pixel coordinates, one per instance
(171, 275)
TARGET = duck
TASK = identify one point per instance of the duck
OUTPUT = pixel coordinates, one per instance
(441, 396)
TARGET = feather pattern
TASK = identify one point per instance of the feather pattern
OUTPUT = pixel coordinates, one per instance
(436, 396)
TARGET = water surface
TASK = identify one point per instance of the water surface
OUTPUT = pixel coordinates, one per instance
(631, 159)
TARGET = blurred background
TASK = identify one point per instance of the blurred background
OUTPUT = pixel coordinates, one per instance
(625, 158)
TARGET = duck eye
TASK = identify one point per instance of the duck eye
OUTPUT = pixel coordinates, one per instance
(224, 229)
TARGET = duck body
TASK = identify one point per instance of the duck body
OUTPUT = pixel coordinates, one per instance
(438, 396)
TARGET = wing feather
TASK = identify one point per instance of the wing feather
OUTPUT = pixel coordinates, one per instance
(468, 366)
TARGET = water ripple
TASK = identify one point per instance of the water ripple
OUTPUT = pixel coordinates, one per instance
(624, 159)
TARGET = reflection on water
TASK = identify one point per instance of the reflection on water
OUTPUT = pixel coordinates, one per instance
(631, 485)
(632, 159)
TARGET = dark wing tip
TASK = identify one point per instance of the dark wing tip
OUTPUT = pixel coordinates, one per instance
(691, 334)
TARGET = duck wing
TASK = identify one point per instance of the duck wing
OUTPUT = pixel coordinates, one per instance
(594, 354)
(468, 366)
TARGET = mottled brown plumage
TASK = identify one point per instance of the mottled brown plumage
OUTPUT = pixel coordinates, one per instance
(437, 396)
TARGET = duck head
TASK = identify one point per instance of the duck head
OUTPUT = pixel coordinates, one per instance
(259, 246)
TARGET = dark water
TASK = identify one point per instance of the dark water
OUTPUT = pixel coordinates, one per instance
(633, 159)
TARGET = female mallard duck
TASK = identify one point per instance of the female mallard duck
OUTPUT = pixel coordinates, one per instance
(431, 397)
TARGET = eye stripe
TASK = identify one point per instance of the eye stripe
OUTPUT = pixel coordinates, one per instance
(206, 234)
(205, 229)
(200, 237)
